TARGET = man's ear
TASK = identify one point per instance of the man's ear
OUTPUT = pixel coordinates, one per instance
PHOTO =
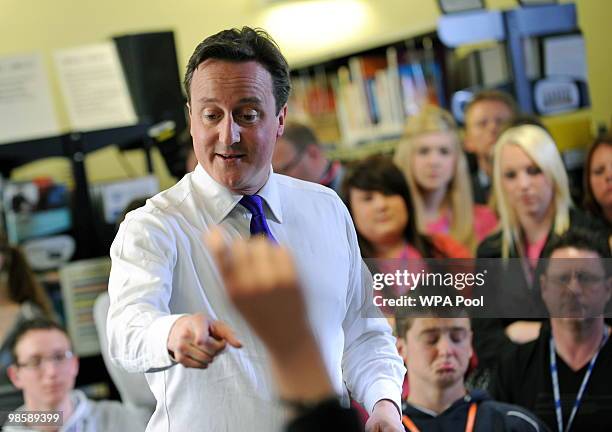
(282, 118)
(13, 374)
(188, 108)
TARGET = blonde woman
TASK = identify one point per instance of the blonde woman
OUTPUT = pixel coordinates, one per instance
(435, 167)
(533, 198)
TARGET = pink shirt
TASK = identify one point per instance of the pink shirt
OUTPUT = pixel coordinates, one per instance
(485, 222)
(534, 250)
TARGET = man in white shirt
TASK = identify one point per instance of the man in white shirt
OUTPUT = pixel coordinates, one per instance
(167, 299)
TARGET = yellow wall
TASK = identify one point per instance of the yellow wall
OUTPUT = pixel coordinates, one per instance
(46, 25)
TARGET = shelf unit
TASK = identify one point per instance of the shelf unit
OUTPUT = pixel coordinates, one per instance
(511, 26)
(75, 146)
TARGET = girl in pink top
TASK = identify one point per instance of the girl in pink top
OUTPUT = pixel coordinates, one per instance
(435, 167)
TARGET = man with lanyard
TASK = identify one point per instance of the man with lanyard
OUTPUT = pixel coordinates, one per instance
(564, 376)
(298, 154)
(437, 353)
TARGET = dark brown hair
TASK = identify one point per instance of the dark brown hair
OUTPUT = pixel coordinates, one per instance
(30, 325)
(493, 95)
(246, 44)
(22, 285)
(299, 136)
(379, 173)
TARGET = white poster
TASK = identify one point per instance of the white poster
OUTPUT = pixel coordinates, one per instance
(26, 107)
(94, 87)
(565, 56)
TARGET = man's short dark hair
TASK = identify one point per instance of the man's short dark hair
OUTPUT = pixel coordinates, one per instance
(493, 95)
(299, 136)
(405, 317)
(246, 44)
(582, 239)
(30, 325)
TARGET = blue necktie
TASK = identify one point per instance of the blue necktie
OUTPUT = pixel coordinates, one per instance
(259, 225)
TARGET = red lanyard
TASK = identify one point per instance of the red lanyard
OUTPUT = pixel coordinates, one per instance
(469, 424)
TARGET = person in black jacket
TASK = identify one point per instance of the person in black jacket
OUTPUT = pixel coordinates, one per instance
(570, 388)
(437, 352)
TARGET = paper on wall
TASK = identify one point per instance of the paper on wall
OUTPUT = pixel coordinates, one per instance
(94, 87)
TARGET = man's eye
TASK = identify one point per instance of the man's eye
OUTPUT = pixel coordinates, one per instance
(458, 335)
(210, 116)
(249, 116)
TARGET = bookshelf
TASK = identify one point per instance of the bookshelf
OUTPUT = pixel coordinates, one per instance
(363, 99)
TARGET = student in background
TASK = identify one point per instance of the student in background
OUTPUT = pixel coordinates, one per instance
(44, 368)
(598, 180)
(564, 375)
(485, 117)
(380, 203)
(21, 298)
(298, 154)
(437, 352)
(430, 156)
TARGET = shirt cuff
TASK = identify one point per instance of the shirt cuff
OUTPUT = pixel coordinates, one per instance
(383, 389)
(157, 336)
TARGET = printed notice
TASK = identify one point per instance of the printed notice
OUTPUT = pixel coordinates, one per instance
(26, 107)
(94, 87)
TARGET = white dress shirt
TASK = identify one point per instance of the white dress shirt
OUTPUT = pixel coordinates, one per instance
(161, 270)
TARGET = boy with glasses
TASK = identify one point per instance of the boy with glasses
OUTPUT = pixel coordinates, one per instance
(45, 368)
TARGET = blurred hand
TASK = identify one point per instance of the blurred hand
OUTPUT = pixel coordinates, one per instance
(194, 340)
(261, 281)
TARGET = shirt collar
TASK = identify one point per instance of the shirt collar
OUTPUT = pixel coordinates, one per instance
(220, 201)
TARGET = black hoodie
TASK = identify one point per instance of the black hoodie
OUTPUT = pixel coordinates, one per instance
(491, 416)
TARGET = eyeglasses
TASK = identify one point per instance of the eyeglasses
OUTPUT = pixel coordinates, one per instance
(583, 278)
(57, 359)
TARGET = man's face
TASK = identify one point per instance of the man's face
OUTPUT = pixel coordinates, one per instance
(437, 351)
(295, 163)
(483, 124)
(574, 285)
(234, 124)
(44, 373)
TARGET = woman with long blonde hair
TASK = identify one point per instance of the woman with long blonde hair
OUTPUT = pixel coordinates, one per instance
(532, 194)
(430, 156)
